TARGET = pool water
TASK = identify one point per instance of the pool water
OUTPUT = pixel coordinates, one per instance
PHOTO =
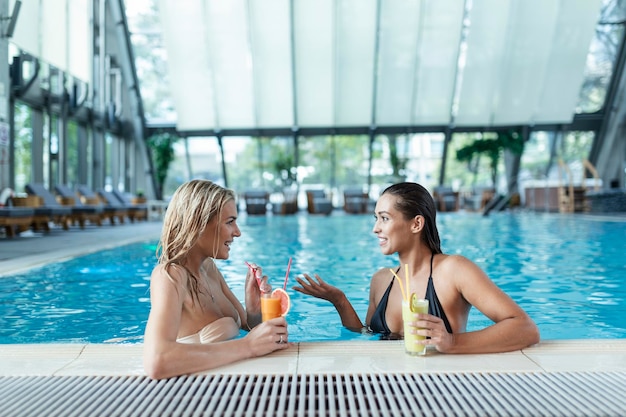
(567, 271)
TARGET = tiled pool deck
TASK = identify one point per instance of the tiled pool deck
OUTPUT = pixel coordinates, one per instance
(336, 358)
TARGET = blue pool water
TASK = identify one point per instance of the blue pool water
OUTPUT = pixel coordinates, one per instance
(567, 272)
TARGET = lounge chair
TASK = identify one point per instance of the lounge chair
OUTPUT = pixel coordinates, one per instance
(88, 196)
(121, 211)
(49, 209)
(256, 201)
(318, 202)
(288, 204)
(446, 199)
(16, 219)
(94, 213)
(136, 211)
(355, 201)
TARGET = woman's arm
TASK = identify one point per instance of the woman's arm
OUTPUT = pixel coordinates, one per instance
(164, 357)
(513, 329)
(251, 314)
(320, 289)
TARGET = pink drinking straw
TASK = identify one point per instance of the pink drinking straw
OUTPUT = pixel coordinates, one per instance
(258, 280)
(287, 274)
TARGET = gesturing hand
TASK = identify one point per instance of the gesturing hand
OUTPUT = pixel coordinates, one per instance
(318, 288)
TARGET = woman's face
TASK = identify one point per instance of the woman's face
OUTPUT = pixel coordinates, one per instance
(392, 230)
(221, 232)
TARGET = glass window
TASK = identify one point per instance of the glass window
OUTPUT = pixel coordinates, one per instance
(23, 146)
(108, 168)
(603, 53)
(72, 157)
(536, 158)
(476, 170)
(316, 159)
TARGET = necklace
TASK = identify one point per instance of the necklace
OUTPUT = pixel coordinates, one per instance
(208, 287)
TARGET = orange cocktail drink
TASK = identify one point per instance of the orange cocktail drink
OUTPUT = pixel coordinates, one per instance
(270, 306)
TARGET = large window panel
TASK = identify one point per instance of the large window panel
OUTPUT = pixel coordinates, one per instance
(58, 32)
(543, 72)
(314, 63)
(528, 46)
(485, 43)
(271, 62)
(79, 40)
(356, 39)
(23, 146)
(566, 62)
(228, 36)
(317, 161)
(53, 32)
(437, 61)
(24, 35)
(189, 62)
(398, 42)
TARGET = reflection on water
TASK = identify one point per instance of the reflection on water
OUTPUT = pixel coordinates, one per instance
(566, 271)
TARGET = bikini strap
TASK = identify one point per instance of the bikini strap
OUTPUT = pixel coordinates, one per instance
(432, 256)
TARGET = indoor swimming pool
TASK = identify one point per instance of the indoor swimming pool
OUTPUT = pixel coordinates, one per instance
(566, 271)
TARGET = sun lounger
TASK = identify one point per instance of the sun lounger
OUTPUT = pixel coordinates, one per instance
(111, 212)
(110, 200)
(15, 219)
(288, 204)
(81, 213)
(446, 199)
(318, 202)
(136, 211)
(355, 201)
(49, 208)
(256, 201)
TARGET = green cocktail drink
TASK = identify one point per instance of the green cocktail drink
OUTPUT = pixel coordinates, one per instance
(408, 310)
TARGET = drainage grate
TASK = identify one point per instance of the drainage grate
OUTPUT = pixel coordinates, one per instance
(466, 394)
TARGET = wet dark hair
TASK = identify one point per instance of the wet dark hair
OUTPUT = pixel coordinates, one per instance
(411, 200)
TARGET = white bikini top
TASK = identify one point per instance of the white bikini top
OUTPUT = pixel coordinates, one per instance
(221, 329)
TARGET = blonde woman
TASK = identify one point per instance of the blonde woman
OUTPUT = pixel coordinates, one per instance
(195, 318)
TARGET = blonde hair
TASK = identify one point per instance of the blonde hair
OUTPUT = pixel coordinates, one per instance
(193, 205)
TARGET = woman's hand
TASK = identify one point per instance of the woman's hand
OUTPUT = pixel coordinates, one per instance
(435, 331)
(268, 336)
(319, 289)
(256, 284)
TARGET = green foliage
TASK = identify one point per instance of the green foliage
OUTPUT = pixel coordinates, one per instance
(284, 164)
(162, 150)
(398, 163)
(492, 148)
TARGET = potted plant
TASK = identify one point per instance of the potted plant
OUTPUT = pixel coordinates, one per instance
(139, 198)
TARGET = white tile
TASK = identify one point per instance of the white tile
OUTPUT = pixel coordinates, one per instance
(389, 357)
(279, 362)
(579, 355)
(363, 357)
(37, 359)
(107, 360)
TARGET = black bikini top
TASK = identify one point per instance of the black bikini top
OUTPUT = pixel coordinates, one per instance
(378, 323)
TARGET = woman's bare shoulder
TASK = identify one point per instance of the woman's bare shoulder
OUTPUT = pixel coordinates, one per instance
(383, 274)
(173, 273)
(459, 267)
(454, 261)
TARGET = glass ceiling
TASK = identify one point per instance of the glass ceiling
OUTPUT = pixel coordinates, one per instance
(296, 64)
(245, 66)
